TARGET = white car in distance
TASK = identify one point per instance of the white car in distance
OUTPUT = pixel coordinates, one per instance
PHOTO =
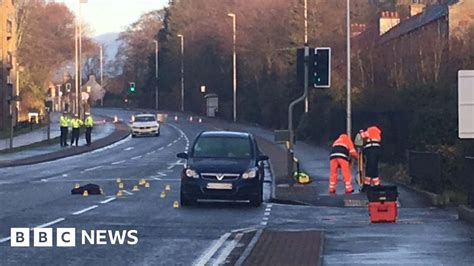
(145, 124)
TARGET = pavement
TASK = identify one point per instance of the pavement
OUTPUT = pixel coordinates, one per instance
(34, 136)
(211, 233)
(37, 149)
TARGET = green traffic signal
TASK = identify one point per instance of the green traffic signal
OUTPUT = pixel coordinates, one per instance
(132, 87)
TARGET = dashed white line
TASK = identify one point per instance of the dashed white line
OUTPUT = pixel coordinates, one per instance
(151, 152)
(266, 213)
(92, 168)
(137, 157)
(65, 175)
(119, 162)
(169, 145)
(268, 209)
(85, 210)
(50, 223)
(3, 240)
(264, 223)
(265, 218)
(129, 148)
(108, 200)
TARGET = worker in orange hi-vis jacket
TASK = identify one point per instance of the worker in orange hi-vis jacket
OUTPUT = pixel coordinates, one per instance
(342, 150)
(372, 151)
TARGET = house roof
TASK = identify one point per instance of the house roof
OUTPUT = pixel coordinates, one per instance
(431, 13)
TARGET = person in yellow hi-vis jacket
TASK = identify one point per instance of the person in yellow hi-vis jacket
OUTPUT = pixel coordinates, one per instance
(64, 125)
(76, 124)
(89, 124)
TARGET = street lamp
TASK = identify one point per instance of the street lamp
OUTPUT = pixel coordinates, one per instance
(234, 65)
(156, 74)
(101, 72)
(348, 110)
(78, 53)
(182, 71)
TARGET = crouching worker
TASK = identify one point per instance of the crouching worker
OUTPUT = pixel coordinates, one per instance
(342, 150)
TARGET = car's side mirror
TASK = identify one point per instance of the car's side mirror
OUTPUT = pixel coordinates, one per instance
(182, 155)
(263, 158)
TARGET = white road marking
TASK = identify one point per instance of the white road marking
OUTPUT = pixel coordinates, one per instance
(65, 175)
(50, 223)
(228, 249)
(169, 145)
(268, 209)
(93, 168)
(108, 200)
(160, 174)
(127, 192)
(3, 240)
(267, 213)
(119, 162)
(151, 152)
(160, 149)
(137, 157)
(155, 178)
(269, 205)
(175, 141)
(129, 148)
(265, 218)
(264, 223)
(207, 255)
(85, 210)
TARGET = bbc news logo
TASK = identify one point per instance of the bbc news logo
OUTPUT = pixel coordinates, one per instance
(66, 237)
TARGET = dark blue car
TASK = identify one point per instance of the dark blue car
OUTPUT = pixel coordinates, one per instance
(223, 165)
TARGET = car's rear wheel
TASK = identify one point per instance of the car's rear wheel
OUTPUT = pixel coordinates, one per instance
(186, 200)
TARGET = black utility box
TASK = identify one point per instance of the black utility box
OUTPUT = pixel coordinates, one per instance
(382, 193)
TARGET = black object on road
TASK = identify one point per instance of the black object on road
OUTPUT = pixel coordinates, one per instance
(92, 189)
(382, 193)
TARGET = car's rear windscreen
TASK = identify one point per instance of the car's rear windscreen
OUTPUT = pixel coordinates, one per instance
(222, 147)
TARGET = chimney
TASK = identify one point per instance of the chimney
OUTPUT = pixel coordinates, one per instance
(416, 8)
(357, 29)
(388, 20)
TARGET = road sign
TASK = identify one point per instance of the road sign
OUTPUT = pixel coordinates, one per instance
(466, 104)
(322, 68)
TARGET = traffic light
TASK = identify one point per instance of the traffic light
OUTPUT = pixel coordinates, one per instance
(132, 87)
(322, 68)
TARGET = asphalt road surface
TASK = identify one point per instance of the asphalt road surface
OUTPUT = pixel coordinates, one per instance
(39, 196)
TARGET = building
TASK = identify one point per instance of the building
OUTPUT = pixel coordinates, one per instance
(7, 63)
(407, 51)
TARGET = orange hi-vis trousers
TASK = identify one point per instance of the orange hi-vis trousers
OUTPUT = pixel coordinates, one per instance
(335, 164)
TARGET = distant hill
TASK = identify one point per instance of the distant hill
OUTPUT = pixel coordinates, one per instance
(109, 40)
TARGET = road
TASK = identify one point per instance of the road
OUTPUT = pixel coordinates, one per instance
(39, 195)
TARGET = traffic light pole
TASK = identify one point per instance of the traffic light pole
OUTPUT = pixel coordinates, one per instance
(290, 143)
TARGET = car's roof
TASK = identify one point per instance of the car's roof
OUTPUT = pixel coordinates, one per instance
(137, 115)
(230, 134)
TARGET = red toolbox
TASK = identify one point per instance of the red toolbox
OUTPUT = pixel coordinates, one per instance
(383, 212)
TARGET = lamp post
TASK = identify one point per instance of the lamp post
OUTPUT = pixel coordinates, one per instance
(102, 72)
(182, 71)
(156, 74)
(306, 100)
(349, 107)
(234, 65)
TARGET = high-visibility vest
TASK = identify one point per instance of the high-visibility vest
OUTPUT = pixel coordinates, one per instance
(343, 148)
(372, 137)
(89, 122)
(76, 123)
(64, 121)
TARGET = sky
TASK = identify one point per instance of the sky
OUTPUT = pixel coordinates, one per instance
(104, 16)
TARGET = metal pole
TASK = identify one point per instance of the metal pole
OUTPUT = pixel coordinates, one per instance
(60, 109)
(101, 72)
(156, 74)
(80, 53)
(306, 100)
(234, 66)
(182, 71)
(49, 124)
(290, 111)
(76, 48)
(17, 93)
(11, 123)
(349, 115)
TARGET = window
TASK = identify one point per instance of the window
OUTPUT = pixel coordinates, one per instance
(9, 26)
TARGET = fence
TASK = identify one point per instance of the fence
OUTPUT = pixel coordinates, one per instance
(426, 170)
(468, 173)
